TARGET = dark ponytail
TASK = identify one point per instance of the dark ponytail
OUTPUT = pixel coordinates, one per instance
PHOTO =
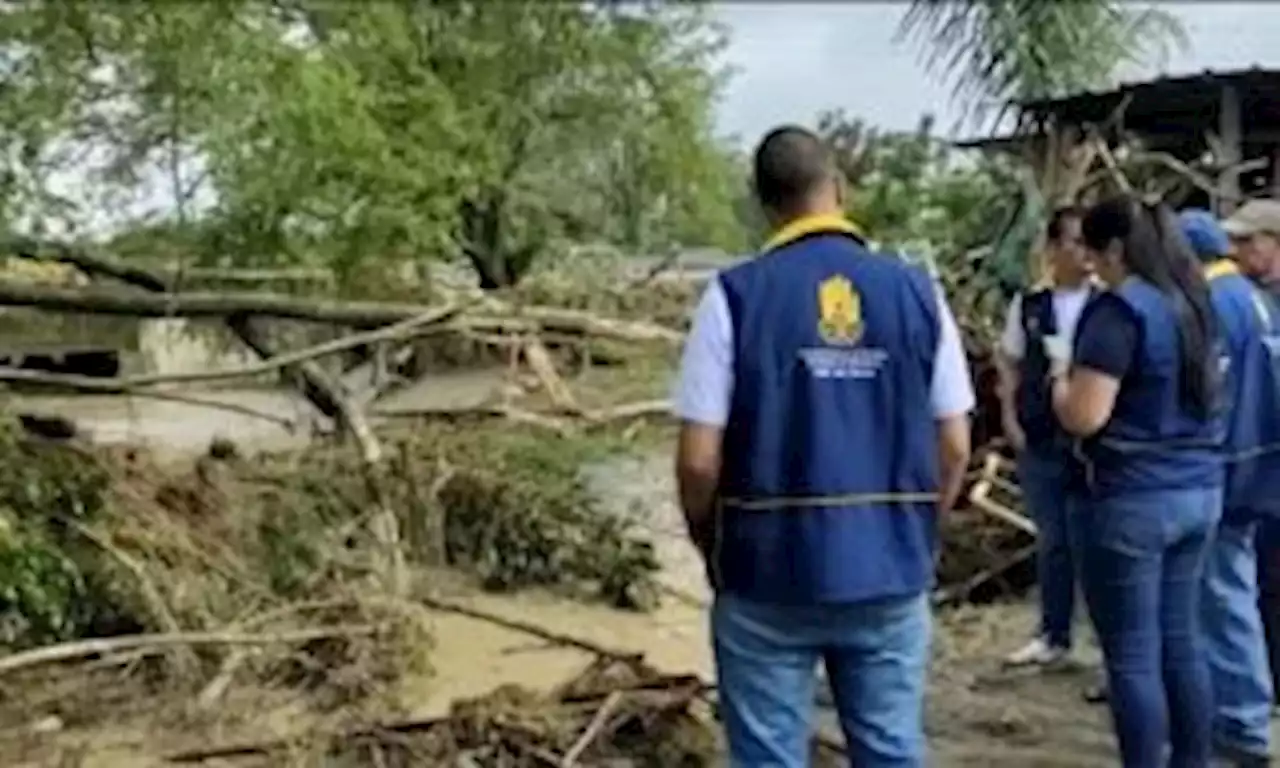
(1156, 251)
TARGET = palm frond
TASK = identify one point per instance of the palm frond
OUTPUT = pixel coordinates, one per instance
(997, 52)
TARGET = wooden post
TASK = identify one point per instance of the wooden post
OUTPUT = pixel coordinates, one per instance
(1275, 172)
(1229, 134)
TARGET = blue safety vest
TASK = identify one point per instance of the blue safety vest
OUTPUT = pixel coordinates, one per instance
(1250, 322)
(1152, 442)
(1033, 399)
(830, 476)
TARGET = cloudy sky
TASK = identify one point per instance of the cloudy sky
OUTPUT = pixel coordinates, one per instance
(797, 59)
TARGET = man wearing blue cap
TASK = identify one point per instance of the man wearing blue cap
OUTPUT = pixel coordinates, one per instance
(1232, 622)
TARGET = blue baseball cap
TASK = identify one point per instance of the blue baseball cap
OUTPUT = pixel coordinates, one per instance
(1206, 236)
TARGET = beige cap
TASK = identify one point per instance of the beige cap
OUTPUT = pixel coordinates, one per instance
(1253, 217)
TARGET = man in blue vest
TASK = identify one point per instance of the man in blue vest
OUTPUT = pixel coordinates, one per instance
(824, 399)
(1048, 310)
(1255, 233)
(1232, 621)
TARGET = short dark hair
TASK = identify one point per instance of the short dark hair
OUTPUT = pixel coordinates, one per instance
(1058, 219)
(790, 163)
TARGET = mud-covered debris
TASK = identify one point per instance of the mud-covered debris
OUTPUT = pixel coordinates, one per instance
(613, 713)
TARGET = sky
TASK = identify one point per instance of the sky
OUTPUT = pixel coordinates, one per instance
(794, 60)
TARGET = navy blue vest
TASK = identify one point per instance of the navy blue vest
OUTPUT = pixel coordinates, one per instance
(830, 477)
(1152, 441)
(1033, 398)
(1250, 321)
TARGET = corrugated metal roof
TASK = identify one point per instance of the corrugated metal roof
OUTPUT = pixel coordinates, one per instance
(1147, 95)
(1163, 81)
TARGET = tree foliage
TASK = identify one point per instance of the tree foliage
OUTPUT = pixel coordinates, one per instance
(911, 189)
(995, 52)
(351, 135)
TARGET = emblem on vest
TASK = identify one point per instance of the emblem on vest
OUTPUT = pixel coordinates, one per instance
(839, 311)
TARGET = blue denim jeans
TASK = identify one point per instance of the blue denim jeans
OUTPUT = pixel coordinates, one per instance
(876, 655)
(1268, 549)
(1043, 480)
(1236, 644)
(1143, 565)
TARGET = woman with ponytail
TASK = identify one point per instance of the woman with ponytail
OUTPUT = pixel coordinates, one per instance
(1142, 391)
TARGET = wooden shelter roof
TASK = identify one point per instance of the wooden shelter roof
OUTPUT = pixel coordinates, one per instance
(1167, 109)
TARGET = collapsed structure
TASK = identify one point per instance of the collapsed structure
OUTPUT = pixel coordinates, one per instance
(1209, 140)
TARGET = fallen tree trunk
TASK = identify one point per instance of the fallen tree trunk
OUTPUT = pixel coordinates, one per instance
(361, 314)
(159, 303)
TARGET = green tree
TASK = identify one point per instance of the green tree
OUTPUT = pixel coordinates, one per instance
(911, 190)
(351, 135)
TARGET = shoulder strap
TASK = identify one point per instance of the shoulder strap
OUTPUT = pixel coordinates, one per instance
(1037, 312)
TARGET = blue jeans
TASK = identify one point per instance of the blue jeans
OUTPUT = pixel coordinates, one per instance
(1236, 644)
(1043, 480)
(1268, 549)
(1144, 557)
(876, 655)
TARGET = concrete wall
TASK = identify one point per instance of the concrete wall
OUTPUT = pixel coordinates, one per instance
(177, 346)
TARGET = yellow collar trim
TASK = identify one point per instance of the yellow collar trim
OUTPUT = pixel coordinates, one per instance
(809, 225)
(1220, 268)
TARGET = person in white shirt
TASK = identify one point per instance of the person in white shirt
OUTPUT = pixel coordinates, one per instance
(1040, 325)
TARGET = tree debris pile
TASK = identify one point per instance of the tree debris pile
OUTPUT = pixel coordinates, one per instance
(497, 503)
(616, 712)
(518, 514)
(973, 545)
(596, 290)
(98, 542)
(251, 574)
(987, 542)
(656, 298)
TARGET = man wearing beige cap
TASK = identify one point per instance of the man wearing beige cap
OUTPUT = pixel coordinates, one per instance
(1255, 231)
(1255, 234)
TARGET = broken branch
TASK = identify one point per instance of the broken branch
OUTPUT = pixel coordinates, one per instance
(415, 327)
(592, 730)
(104, 645)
